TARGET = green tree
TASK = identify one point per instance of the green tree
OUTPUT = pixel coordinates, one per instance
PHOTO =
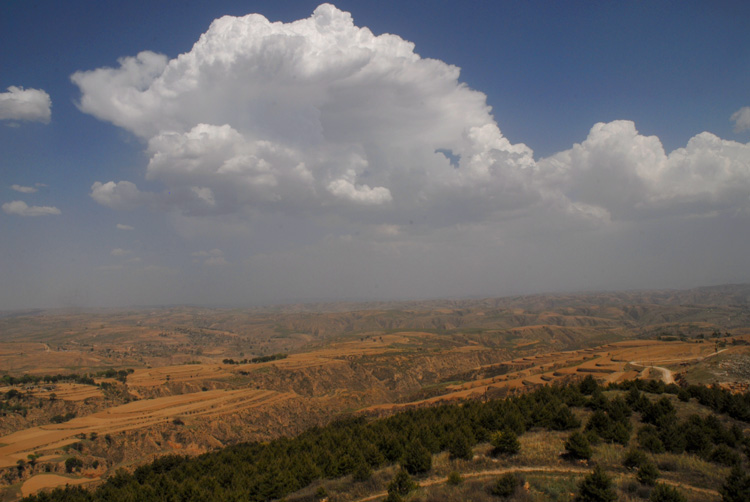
(647, 473)
(736, 488)
(505, 443)
(455, 479)
(362, 471)
(460, 447)
(401, 484)
(672, 437)
(724, 455)
(620, 433)
(596, 487)
(588, 385)
(72, 464)
(578, 446)
(564, 419)
(634, 459)
(506, 486)
(648, 439)
(417, 458)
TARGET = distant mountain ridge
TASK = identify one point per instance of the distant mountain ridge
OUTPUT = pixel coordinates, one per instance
(725, 294)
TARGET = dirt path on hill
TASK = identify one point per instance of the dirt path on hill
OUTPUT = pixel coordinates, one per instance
(491, 472)
(666, 375)
(549, 470)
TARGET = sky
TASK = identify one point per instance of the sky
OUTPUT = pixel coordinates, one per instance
(260, 152)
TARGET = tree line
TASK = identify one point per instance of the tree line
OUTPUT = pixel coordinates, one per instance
(357, 445)
(255, 360)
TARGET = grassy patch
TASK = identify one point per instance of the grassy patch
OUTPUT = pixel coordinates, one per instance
(691, 470)
(553, 487)
(540, 447)
(11, 493)
(609, 455)
(470, 489)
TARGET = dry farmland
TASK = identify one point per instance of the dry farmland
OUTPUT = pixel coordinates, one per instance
(113, 389)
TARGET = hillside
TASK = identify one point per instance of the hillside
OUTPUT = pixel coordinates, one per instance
(631, 441)
(117, 389)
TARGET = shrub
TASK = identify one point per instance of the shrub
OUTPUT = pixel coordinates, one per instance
(564, 419)
(724, 455)
(620, 433)
(455, 479)
(683, 395)
(665, 493)
(417, 459)
(362, 471)
(588, 385)
(600, 424)
(460, 447)
(673, 438)
(648, 439)
(72, 464)
(634, 459)
(596, 487)
(401, 484)
(393, 497)
(505, 443)
(736, 488)
(578, 446)
(647, 474)
(505, 486)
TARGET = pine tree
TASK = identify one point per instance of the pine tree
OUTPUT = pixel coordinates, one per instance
(401, 484)
(362, 471)
(736, 487)
(505, 486)
(460, 448)
(588, 385)
(578, 446)
(596, 487)
(634, 459)
(417, 459)
(647, 474)
(505, 443)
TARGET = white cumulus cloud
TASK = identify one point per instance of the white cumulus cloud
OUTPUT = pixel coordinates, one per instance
(120, 195)
(33, 105)
(630, 176)
(23, 189)
(121, 226)
(741, 119)
(306, 116)
(20, 208)
(319, 117)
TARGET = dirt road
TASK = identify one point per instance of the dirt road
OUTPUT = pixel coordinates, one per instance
(666, 375)
(551, 470)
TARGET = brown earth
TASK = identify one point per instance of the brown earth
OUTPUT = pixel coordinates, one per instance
(181, 397)
(42, 481)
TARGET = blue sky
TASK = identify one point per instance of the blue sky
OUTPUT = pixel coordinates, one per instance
(215, 208)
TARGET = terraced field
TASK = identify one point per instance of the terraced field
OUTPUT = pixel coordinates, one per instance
(340, 359)
(136, 415)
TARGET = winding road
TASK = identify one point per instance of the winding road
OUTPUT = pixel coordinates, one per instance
(666, 375)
